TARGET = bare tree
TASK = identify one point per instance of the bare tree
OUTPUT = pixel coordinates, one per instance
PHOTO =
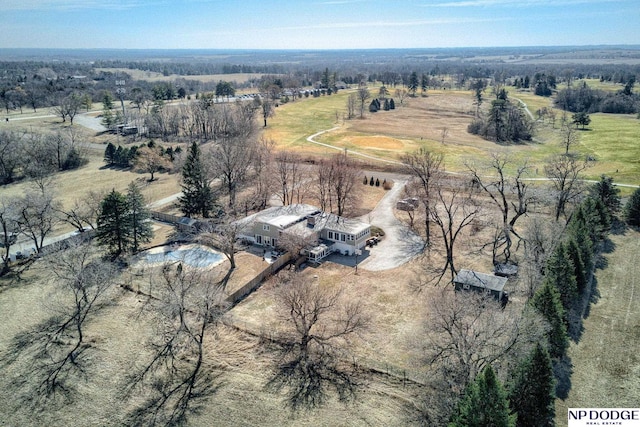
(187, 306)
(501, 189)
(222, 234)
(230, 160)
(568, 136)
(262, 175)
(401, 94)
(149, 160)
(319, 326)
(36, 216)
(9, 229)
(57, 350)
(454, 210)
(469, 331)
(363, 96)
(290, 177)
(344, 177)
(84, 211)
(564, 173)
(352, 102)
(426, 167)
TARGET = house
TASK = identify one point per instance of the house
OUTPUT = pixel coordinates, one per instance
(332, 232)
(468, 280)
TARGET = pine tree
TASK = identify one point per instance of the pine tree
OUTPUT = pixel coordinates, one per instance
(547, 301)
(580, 230)
(140, 227)
(580, 272)
(110, 154)
(560, 272)
(113, 230)
(532, 395)
(197, 198)
(606, 191)
(483, 404)
(632, 209)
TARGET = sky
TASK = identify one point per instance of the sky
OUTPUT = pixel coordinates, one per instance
(315, 24)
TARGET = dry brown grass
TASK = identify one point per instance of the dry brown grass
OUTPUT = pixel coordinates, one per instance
(153, 76)
(606, 364)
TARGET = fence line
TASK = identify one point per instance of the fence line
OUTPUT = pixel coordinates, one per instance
(253, 284)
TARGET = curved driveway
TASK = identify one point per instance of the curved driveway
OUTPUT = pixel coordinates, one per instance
(399, 244)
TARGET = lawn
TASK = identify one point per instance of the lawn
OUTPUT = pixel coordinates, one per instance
(606, 364)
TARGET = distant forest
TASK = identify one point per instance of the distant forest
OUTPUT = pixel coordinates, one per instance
(36, 78)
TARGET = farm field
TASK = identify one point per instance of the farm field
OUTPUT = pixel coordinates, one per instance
(606, 365)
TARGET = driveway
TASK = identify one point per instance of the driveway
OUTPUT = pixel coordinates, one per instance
(399, 244)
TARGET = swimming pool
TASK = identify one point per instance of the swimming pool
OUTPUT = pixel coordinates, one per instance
(192, 255)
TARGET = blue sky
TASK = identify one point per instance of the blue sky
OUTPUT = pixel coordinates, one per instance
(319, 24)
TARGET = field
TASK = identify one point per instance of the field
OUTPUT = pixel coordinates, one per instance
(610, 139)
(605, 362)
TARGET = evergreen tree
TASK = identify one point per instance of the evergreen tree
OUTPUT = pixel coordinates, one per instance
(414, 83)
(110, 154)
(632, 209)
(606, 191)
(197, 198)
(138, 219)
(532, 395)
(580, 230)
(484, 404)
(113, 230)
(580, 272)
(547, 301)
(560, 272)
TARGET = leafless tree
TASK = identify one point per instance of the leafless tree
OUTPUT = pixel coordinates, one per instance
(9, 229)
(444, 133)
(363, 96)
(540, 238)
(336, 184)
(263, 179)
(319, 327)
(267, 109)
(187, 306)
(568, 136)
(564, 173)
(11, 155)
(149, 160)
(290, 176)
(502, 189)
(352, 102)
(57, 350)
(68, 107)
(295, 242)
(401, 94)
(222, 234)
(36, 215)
(230, 160)
(453, 211)
(468, 331)
(426, 167)
(84, 211)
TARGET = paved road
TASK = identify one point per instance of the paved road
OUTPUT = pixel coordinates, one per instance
(399, 244)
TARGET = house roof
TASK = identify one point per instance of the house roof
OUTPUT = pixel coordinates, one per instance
(334, 222)
(480, 280)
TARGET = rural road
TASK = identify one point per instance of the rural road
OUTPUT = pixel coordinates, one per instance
(399, 244)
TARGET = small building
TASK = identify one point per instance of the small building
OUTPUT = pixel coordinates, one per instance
(469, 280)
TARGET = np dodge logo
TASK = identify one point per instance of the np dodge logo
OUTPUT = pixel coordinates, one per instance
(604, 417)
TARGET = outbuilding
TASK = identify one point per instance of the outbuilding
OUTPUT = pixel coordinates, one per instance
(469, 280)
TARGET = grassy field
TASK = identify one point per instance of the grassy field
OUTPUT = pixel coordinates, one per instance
(610, 139)
(606, 364)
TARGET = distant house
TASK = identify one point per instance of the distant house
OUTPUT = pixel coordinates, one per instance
(332, 232)
(469, 280)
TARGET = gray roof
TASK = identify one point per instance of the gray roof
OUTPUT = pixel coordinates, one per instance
(481, 280)
(334, 222)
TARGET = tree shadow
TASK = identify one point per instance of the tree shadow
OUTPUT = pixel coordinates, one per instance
(562, 370)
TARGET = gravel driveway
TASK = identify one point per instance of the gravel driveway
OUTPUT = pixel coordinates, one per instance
(399, 244)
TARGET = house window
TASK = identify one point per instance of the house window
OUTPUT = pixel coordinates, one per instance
(343, 237)
(265, 227)
(258, 239)
(330, 235)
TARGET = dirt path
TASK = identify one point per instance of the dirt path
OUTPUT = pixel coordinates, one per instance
(399, 244)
